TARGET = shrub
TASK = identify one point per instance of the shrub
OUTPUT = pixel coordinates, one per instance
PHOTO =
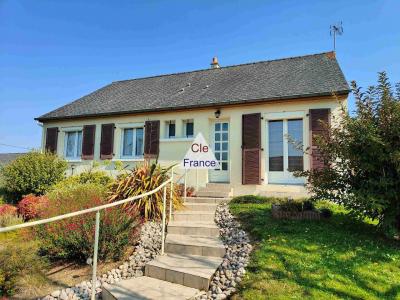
(10, 220)
(7, 209)
(254, 199)
(296, 205)
(326, 212)
(18, 258)
(97, 177)
(73, 238)
(31, 206)
(189, 190)
(33, 173)
(361, 157)
(142, 179)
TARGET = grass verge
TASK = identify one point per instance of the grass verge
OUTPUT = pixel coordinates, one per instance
(336, 258)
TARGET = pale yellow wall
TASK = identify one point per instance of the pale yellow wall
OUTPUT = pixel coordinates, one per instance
(172, 151)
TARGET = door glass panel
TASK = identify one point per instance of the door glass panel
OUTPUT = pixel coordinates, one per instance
(217, 137)
(225, 136)
(225, 146)
(224, 155)
(275, 134)
(221, 140)
(295, 155)
(225, 126)
(79, 145)
(224, 166)
(217, 126)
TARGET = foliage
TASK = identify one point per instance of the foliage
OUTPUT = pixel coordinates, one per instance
(362, 157)
(73, 238)
(31, 206)
(145, 178)
(189, 190)
(18, 258)
(96, 177)
(33, 173)
(10, 219)
(256, 199)
(337, 258)
(7, 209)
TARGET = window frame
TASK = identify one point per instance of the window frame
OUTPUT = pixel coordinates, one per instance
(134, 133)
(185, 123)
(77, 154)
(167, 131)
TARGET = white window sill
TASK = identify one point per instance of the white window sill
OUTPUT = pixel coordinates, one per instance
(73, 160)
(177, 139)
(128, 159)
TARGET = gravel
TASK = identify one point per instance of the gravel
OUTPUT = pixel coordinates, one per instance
(146, 250)
(238, 248)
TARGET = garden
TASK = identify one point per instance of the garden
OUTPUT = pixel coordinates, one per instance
(38, 260)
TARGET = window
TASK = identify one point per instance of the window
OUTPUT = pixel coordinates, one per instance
(170, 129)
(132, 143)
(188, 128)
(73, 145)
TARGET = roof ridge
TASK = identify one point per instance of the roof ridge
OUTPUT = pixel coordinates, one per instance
(225, 67)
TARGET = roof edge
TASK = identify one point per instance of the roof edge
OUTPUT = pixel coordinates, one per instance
(226, 103)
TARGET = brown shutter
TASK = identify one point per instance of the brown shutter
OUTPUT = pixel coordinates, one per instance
(51, 139)
(316, 129)
(88, 138)
(251, 149)
(151, 139)
(107, 141)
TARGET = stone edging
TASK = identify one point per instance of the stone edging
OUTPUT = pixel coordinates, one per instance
(238, 248)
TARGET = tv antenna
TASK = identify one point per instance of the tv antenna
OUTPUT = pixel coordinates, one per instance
(336, 29)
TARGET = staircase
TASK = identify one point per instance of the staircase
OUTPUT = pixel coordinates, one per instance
(215, 190)
(193, 252)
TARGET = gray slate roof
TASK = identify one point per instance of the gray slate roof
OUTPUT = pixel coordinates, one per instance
(296, 77)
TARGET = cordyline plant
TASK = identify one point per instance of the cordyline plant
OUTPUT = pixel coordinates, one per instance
(141, 179)
(362, 157)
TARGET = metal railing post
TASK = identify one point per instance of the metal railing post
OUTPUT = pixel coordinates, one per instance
(171, 195)
(185, 186)
(163, 220)
(95, 251)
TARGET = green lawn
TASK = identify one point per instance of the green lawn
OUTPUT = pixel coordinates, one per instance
(336, 258)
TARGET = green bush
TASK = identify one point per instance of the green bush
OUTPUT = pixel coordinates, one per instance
(33, 173)
(18, 258)
(73, 238)
(361, 157)
(97, 177)
(247, 199)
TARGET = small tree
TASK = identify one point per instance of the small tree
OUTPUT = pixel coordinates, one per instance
(362, 157)
(33, 173)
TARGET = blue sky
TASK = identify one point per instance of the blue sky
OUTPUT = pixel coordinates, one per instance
(53, 52)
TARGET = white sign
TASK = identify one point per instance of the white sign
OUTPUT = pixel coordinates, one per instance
(200, 155)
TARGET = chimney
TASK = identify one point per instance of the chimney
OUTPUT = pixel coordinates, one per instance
(214, 63)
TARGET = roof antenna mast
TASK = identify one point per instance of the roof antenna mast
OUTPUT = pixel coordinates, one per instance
(336, 29)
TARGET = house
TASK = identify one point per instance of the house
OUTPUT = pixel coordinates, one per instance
(245, 111)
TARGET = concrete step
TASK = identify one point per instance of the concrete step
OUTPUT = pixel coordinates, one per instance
(189, 270)
(200, 207)
(209, 200)
(211, 193)
(194, 245)
(195, 216)
(193, 228)
(147, 288)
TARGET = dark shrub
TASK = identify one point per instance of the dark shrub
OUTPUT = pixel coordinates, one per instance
(326, 212)
(33, 173)
(73, 238)
(247, 199)
(308, 205)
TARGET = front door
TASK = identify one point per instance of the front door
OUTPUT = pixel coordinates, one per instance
(285, 154)
(220, 145)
